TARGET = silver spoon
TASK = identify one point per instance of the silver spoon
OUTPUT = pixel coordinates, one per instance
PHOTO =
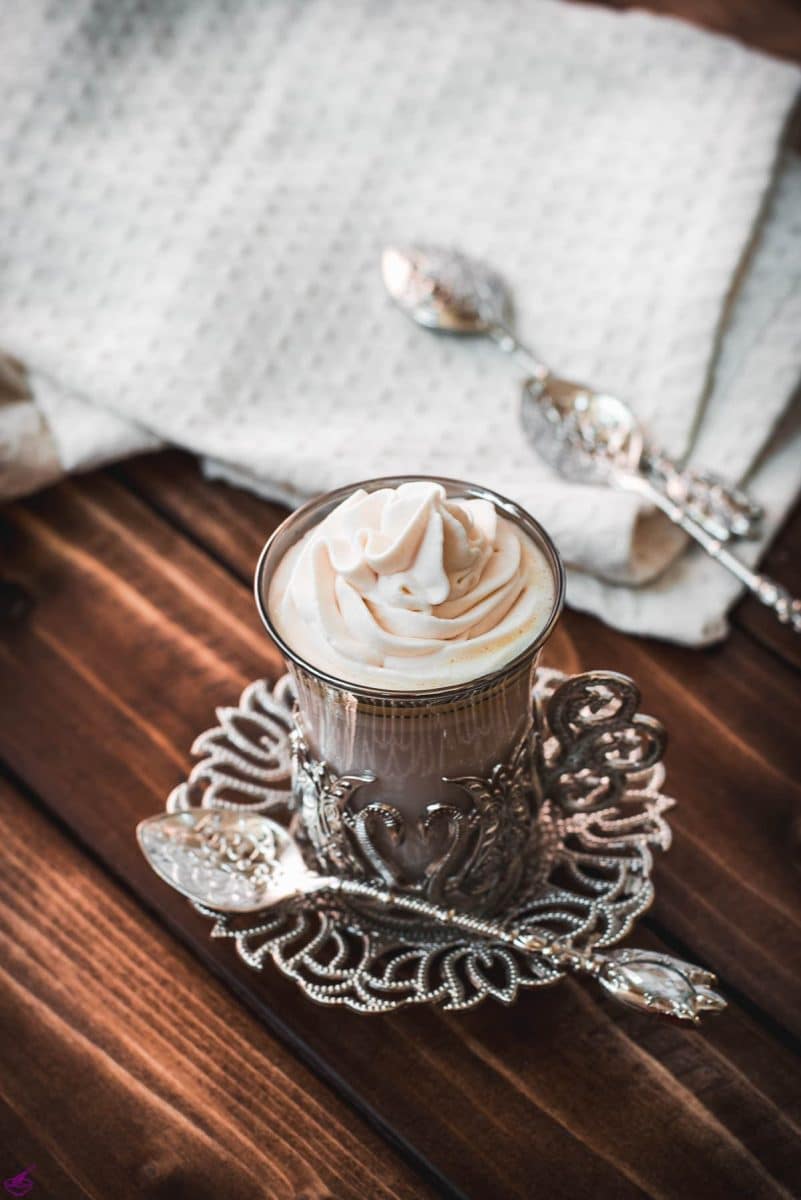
(238, 862)
(587, 435)
(445, 290)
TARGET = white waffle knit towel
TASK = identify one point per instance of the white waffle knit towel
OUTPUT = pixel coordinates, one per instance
(195, 196)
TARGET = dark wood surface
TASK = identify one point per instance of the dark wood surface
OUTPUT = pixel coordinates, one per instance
(139, 1058)
(133, 619)
(113, 1077)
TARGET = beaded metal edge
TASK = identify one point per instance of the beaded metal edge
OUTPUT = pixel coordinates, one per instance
(599, 772)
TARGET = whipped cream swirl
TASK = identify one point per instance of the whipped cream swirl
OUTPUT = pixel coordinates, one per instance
(405, 589)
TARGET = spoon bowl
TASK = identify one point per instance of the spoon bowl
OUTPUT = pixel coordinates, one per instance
(444, 290)
(585, 435)
(230, 861)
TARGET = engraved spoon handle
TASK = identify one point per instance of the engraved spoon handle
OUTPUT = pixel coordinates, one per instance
(723, 510)
(431, 912)
(772, 594)
(642, 979)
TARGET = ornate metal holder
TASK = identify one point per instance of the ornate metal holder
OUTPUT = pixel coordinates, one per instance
(596, 770)
(479, 850)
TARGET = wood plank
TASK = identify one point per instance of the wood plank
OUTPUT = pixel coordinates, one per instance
(129, 1070)
(132, 637)
(729, 887)
(24, 1151)
(230, 524)
(783, 563)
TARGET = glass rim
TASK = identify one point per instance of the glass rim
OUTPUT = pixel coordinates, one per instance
(470, 491)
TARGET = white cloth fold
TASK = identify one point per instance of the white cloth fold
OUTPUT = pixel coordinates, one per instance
(194, 202)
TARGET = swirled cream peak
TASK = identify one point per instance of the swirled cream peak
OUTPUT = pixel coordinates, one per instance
(405, 589)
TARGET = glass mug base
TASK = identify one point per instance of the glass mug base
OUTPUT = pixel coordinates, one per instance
(432, 792)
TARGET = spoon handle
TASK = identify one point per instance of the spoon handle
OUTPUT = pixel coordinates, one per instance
(508, 341)
(725, 512)
(432, 912)
(772, 594)
(642, 979)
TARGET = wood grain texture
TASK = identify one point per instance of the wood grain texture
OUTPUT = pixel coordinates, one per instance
(137, 1073)
(132, 636)
(783, 562)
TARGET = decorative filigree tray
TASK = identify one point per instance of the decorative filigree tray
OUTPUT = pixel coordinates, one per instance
(599, 773)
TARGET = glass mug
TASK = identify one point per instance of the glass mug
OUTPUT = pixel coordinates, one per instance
(428, 791)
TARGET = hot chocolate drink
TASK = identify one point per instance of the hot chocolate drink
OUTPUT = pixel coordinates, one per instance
(411, 613)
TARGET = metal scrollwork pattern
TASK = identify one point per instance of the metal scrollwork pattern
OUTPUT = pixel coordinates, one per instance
(246, 760)
(598, 773)
(478, 843)
(597, 740)
(724, 511)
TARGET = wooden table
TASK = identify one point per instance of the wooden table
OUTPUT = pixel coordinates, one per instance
(139, 1058)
